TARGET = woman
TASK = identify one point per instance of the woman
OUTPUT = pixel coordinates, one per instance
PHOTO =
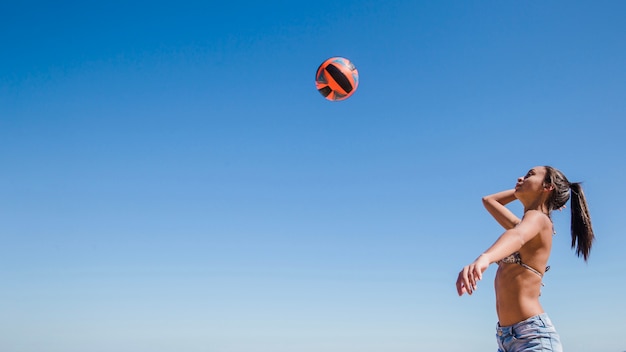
(522, 253)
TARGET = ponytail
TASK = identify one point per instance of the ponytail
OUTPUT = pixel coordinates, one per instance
(582, 232)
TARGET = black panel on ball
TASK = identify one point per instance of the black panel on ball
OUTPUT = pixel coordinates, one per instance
(339, 77)
(325, 91)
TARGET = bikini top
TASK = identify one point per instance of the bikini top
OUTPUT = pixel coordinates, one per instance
(516, 258)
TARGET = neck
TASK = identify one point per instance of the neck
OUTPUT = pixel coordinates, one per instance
(538, 204)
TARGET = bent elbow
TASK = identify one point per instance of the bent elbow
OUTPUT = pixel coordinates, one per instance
(487, 201)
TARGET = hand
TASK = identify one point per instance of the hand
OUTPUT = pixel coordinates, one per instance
(467, 281)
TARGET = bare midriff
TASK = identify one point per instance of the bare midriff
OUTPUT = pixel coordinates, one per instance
(517, 294)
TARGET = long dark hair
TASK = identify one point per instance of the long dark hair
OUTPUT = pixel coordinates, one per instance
(582, 232)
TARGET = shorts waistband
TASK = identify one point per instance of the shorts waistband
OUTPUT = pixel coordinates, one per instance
(508, 330)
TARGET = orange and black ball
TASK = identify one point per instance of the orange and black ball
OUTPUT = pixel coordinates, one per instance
(337, 78)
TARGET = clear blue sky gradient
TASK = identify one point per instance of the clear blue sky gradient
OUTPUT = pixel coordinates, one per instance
(172, 181)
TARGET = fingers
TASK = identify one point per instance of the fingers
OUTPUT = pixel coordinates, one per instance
(468, 279)
(478, 273)
(460, 287)
(463, 283)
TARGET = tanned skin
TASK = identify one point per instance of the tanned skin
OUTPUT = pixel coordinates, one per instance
(517, 288)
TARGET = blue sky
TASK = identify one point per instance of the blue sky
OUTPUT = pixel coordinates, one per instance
(172, 181)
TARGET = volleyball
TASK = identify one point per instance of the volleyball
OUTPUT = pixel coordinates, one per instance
(337, 79)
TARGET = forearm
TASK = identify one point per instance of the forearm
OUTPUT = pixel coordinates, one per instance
(509, 242)
(503, 198)
(495, 205)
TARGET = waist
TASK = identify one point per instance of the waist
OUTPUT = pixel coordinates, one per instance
(540, 320)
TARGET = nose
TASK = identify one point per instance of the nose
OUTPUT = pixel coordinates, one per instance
(520, 179)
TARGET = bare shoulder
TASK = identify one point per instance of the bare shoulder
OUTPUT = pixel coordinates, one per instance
(535, 217)
(535, 221)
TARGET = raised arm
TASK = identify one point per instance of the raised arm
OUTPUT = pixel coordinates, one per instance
(495, 205)
(509, 242)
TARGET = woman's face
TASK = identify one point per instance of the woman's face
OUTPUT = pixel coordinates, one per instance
(532, 183)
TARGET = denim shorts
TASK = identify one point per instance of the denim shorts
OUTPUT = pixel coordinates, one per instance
(531, 335)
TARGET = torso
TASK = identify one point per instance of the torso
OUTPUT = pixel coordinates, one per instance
(518, 288)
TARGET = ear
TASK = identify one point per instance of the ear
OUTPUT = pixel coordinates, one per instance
(548, 188)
